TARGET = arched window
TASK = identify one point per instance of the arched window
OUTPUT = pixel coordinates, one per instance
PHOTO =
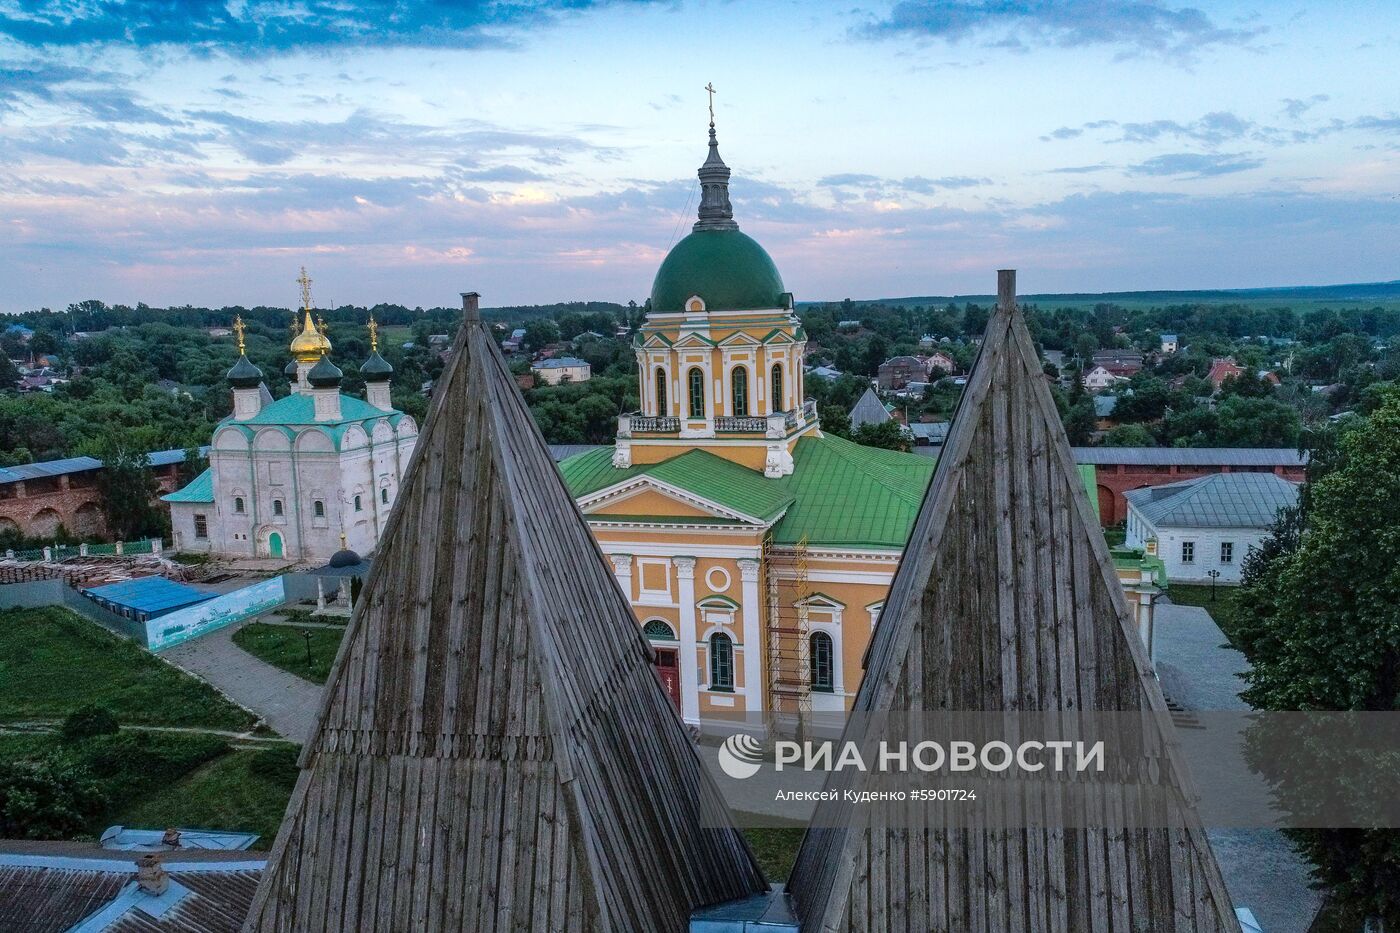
(777, 379)
(658, 630)
(696, 379)
(661, 393)
(721, 662)
(823, 663)
(238, 504)
(318, 508)
(739, 387)
(276, 506)
(384, 495)
(359, 505)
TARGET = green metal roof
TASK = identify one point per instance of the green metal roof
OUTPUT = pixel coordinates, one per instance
(721, 481)
(300, 408)
(726, 268)
(200, 489)
(840, 493)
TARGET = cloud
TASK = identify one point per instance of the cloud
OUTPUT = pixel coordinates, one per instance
(1138, 26)
(263, 26)
(1293, 107)
(913, 184)
(1195, 164)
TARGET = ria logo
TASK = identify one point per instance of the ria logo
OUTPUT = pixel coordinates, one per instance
(740, 756)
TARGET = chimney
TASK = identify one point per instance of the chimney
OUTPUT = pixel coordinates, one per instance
(1006, 289)
(470, 307)
(171, 838)
(151, 876)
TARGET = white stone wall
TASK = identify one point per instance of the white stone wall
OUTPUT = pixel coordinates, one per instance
(1206, 548)
(300, 471)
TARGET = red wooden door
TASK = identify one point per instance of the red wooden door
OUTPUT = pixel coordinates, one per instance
(668, 669)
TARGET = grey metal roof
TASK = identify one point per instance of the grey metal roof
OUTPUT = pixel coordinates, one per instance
(936, 432)
(24, 471)
(1191, 456)
(868, 409)
(1222, 500)
(565, 451)
(560, 363)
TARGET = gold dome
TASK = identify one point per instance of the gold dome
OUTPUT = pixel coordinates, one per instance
(310, 345)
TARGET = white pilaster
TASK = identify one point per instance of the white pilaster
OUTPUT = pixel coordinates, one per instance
(753, 637)
(690, 654)
(622, 567)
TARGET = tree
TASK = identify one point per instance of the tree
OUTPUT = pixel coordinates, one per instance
(127, 488)
(9, 375)
(1256, 422)
(52, 797)
(1085, 345)
(887, 434)
(539, 334)
(1080, 421)
(834, 420)
(1320, 622)
(1129, 435)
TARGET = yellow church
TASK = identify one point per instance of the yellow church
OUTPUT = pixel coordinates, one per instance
(756, 550)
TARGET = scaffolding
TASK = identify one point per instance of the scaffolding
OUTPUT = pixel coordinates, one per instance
(789, 665)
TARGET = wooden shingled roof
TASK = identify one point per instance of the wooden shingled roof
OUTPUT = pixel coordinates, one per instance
(1006, 600)
(494, 750)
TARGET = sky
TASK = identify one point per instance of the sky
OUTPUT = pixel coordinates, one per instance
(545, 150)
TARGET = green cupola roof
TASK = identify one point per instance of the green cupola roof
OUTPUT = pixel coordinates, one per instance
(244, 375)
(725, 267)
(324, 374)
(376, 369)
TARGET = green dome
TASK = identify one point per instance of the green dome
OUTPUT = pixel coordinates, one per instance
(726, 268)
(324, 374)
(244, 375)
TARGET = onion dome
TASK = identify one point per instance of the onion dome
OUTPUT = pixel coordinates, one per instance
(244, 375)
(310, 345)
(343, 558)
(376, 369)
(325, 374)
(725, 268)
(290, 370)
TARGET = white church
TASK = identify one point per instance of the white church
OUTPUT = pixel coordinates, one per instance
(302, 477)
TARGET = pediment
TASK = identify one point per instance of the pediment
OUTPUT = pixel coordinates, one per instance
(654, 499)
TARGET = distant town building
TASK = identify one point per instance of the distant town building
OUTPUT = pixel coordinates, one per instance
(1122, 363)
(825, 372)
(562, 369)
(868, 409)
(940, 363)
(1207, 525)
(1222, 369)
(304, 476)
(1169, 343)
(929, 433)
(512, 343)
(1100, 378)
(36, 499)
(899, 371)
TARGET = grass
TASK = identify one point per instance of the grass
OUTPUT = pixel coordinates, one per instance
(775, 849)
(53, 661)
(1221, 608)
(285, 646)
(233, 792)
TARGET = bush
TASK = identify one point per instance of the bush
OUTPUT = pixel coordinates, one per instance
(277, 763)
(88, 721)
(52, 797)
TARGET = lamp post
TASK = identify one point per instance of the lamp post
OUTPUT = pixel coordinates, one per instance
(307, 634)
(1214, 575)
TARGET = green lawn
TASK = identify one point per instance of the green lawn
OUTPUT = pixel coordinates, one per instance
(1221, 607)
(285, 646)
(233, 792)
(53, 661)
(775, 849)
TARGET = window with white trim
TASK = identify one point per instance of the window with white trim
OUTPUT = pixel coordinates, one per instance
(1188, 552)
(721, 662)
(823, 662)
(1227, 552)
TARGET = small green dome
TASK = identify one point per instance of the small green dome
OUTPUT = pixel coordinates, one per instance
(726, 268)
(324, 374)
(244, 375)
(376, 369)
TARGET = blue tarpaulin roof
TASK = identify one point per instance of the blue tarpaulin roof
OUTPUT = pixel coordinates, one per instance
(149, 595)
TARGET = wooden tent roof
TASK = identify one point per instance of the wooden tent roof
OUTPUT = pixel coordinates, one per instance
(1006, 599)
(494, 750)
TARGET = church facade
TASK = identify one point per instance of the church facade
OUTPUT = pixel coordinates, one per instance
(304, 476)
(755, 549)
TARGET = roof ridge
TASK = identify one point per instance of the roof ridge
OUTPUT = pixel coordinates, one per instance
(878, 471)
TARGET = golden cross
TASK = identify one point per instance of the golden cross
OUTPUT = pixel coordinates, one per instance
(238, 329)
(304, 281)
(373, 335)
(711, 88)
(321, 325)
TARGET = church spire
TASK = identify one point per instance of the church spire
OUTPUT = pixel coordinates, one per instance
(716, 213)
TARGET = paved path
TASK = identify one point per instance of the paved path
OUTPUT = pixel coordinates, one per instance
(1200, 671)
(284, 700)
